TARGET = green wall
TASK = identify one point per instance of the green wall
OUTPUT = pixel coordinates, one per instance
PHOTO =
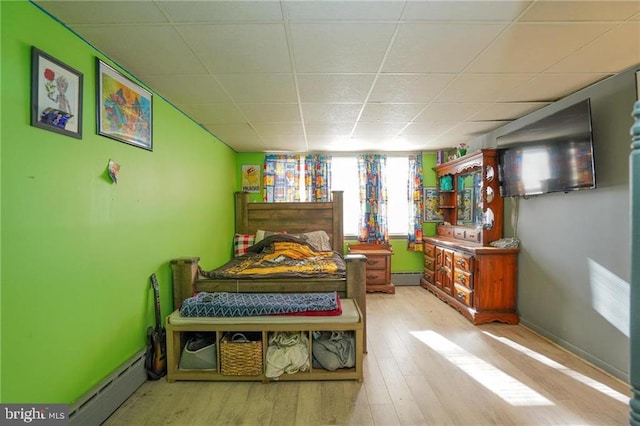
(78, 249)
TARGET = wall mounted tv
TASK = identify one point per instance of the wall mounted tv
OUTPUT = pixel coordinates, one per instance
(554, 154)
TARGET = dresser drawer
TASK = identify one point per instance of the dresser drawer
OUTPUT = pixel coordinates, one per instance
(429, 250)
(463, 294)
(444, 231)
(376, 261)
(463, 278)
(376, 276)
(462, 262)
(428, 275)
(473, 235)
(429, 263)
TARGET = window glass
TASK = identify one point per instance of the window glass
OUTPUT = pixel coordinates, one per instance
(344, 172)
(397, 205)
(344, 177)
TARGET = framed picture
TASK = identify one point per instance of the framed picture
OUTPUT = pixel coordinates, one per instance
(56, 95)
(124, 108)
(251, 178)
(432, 211)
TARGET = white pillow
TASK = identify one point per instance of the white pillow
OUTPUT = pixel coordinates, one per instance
(318, 239)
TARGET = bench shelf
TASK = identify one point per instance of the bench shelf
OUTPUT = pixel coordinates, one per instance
(177, 337)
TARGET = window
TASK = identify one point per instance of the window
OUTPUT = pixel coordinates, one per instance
(344, 177)
(397, 205)
(344, 172)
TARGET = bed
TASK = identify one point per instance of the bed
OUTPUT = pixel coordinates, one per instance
(292, 218)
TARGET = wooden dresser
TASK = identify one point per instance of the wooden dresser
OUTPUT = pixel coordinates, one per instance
(378, 269)
(461, 267)
(478, 281)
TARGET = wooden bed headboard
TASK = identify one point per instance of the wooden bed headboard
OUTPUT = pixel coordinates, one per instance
(294, 218)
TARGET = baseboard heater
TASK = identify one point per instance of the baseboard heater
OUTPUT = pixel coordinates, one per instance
(406, 278)
(105, 398)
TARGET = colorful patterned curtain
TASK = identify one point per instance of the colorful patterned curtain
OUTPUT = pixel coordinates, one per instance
(281, 178)
(317, 177)
(416, 203)
(373, 199)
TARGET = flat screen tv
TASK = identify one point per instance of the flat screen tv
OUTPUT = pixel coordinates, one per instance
(554, 154)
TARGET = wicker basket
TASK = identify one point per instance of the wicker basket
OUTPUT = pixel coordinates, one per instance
(240, 356)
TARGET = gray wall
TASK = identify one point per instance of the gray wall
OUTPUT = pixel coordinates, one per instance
(574, 263)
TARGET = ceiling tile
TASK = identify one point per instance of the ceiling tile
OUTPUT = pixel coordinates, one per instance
(408, 87)
(428, 47)
(258, 88)
(213, 113)
(449, 112)
(103, 12)
(368, 129)
(599, 57)
(327, 142)
(581, 11)
(464, 10)
(257, 113)
(336, 47)
(532, 48)
(272, 129)
(144, 49)
(329, 129)
(369, 144)
(506, 111)
(221, 11)
(287, 144)
(417, 143)
(390, 112)
(481, 87)
(187, 89)
(420, 142)
(234, 133)
(328, 88)
(341, 10)
(323, 113)
(239, 48)
(549, 87)
(427, 129)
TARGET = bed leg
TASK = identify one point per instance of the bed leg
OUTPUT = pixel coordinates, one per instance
(357, 287)
(185, 273)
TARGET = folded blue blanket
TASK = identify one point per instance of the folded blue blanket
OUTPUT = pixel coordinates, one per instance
(253, 304)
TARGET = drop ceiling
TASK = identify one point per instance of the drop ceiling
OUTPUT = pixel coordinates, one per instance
(353, 76)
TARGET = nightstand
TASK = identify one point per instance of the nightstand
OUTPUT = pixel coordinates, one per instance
(378, 269)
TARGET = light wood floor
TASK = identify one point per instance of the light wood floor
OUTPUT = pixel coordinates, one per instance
(426, 365)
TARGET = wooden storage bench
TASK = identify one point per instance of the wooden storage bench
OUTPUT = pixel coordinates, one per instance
(179, 327)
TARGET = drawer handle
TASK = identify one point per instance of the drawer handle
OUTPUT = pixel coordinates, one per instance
(427, 264)
(371, 262)
(371, 277)
(460, 295)
(462, 278)
(460, 262)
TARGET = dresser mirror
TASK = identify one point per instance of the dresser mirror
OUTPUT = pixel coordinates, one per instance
(469, 199)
